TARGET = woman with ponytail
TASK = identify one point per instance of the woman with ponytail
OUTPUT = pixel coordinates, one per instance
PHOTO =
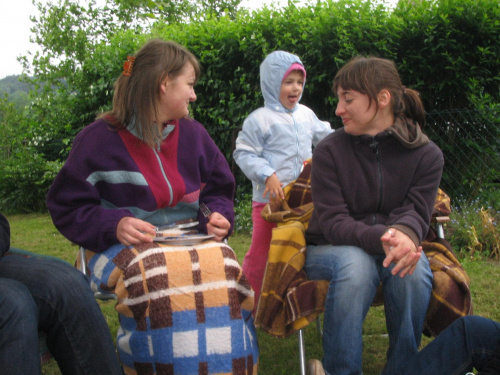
(374, 183)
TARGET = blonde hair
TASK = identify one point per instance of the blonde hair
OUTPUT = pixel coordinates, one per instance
(369, 75)
(136, 96)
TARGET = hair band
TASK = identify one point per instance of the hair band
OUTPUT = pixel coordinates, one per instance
(128, 65)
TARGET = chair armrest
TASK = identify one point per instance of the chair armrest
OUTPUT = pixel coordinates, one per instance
(440, 219)
(439, 222)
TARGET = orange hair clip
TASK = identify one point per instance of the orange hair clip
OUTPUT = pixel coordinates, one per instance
(128, 65)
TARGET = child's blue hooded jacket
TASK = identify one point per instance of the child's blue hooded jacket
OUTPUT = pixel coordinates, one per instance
(273, 138)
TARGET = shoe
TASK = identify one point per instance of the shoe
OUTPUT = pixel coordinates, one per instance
(315, 367)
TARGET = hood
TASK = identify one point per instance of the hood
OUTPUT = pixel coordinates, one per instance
(272, 71)
(408, 133)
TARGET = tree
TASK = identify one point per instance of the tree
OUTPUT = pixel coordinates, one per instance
(70, 34)
(67, 30)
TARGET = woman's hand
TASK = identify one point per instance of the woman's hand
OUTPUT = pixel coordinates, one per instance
(218, 225)
(133, 231)
(400, 250)
(274, 188)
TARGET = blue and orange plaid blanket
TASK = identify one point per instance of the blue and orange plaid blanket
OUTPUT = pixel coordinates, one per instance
(182, 309)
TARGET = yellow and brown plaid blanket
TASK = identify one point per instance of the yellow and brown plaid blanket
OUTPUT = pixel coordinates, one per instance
(289, 301)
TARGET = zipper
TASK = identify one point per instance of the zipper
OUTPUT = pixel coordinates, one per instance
(374, 147)
(297, 153)
(165, 177)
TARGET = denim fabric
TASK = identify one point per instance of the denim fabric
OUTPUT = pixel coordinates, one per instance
(43, 294)
(354, 277)
(18, 330)
(466, 343)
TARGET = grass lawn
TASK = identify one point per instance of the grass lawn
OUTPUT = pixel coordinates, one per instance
(35, 232)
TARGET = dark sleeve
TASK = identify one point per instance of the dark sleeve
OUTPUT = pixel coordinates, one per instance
(415, 211)
(4, 235)
(218, 191)
(74, 203)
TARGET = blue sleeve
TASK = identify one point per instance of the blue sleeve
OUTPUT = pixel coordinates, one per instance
(320, 130)
(248, 151)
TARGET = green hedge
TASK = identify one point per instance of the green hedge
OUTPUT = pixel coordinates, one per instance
(446, 49)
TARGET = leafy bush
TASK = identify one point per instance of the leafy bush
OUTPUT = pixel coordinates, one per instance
(243, 214)
(24, 181)
(426, 40)
(474, 230)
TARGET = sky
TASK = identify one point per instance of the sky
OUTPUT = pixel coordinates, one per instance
(15, 27)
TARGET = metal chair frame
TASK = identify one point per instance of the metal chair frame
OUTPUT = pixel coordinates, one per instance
(103, 296)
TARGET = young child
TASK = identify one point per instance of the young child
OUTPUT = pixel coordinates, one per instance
(272, 146)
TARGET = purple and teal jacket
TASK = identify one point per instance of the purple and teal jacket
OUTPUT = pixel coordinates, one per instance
(111, 174)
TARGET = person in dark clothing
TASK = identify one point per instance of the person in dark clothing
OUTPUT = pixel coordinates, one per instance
(43, 294)
(469, 342)
(374, 183)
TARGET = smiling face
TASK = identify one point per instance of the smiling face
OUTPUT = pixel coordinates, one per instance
(360, 116)
(177, 93)
(355, 110)
(291, 89)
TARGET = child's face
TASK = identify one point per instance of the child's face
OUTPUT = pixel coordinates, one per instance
(291, 89)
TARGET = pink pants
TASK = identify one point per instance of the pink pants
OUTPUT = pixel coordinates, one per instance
(254, 263)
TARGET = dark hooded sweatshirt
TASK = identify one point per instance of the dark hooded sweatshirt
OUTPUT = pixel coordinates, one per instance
(362, 185)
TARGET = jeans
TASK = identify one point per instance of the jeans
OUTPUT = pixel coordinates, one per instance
(45, 294)
(354, 277)
(466, 343)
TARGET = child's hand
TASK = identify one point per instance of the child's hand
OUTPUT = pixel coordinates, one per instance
(273, 187)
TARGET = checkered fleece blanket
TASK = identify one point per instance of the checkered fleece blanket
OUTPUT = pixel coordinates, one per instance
(289, 301)
(182, 309)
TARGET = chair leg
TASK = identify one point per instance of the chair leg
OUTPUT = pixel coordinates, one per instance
(302, 352)
(83, 260)
(302, 346)
(440, 231)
